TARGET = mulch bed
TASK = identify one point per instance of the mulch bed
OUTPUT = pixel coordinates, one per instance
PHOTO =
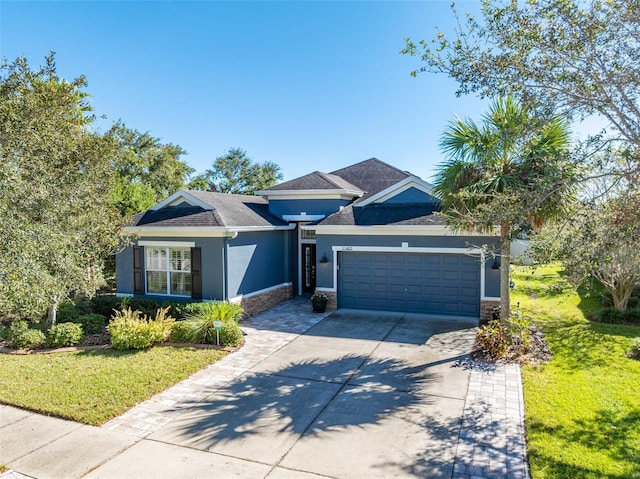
(93, 342)
(537, 354)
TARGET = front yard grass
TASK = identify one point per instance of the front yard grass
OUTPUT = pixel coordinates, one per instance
(94, 386)
(583, 408)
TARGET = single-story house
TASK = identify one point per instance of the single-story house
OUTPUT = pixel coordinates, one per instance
(365, 235)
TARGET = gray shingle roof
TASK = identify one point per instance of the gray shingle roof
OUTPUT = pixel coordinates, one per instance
(372, 175)
(397, 214)
(315, 181)
(229, 211)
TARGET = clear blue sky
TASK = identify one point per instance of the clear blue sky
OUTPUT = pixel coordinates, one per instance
(308, 85)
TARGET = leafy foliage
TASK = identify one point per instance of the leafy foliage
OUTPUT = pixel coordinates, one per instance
(70, 311)
(23, 337)
(493, 339)
(55, 183)
(199, 327)
(132, 330)
(65, 334)
(615, 316)
(580, 56)
(235, 172)
(511, 171)
(146, 170)
(600, 241)
(92, 323)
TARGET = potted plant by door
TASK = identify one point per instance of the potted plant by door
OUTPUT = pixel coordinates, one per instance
(319, 302)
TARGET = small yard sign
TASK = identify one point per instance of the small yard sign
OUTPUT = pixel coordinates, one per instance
(217, 324)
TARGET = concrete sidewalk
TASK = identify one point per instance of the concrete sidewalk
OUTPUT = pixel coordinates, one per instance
(283, 402)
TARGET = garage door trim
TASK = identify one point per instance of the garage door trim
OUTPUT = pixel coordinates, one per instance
(413, 249)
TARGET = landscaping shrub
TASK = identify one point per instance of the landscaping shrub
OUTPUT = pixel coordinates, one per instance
(230, 334)
(22, 337)
(105, 305)
(92, 323)
(67, 313)
(147, 307)
(608, 315)
(132, 330)
(519, 330)
(4, 332)
(631, 315)
(178, 310)
(222, 310)
(614, 316)
(64, 334)
(181, 331)
(199, 327)
(70, 311)
(493, 338)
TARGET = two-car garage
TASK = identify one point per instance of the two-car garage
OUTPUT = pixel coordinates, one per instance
(417, 282)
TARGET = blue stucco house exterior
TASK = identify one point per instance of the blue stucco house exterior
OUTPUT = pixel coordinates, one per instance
(366, 235)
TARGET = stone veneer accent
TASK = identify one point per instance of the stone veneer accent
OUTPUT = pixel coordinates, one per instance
(486, 311)
(333, 298)
(260, 302)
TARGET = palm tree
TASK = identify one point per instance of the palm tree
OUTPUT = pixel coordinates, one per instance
(510, 171)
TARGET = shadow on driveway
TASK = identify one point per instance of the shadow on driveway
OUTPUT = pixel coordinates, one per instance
(357, 405)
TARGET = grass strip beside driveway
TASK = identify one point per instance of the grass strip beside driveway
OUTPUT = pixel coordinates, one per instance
(92, 387)
(583, 408)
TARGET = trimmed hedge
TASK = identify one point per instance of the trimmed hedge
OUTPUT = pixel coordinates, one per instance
(63, 335)
(132, 330)
(22, 337)
(614, 316)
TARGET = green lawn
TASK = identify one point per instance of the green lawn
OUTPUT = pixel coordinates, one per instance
(94, 386)
(583, 408)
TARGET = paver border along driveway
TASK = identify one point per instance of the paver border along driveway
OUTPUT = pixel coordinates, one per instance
(359, 394)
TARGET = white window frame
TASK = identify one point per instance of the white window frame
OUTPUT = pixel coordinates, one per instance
(167, 269)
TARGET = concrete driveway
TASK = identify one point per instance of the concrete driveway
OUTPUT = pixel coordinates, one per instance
(357, 394)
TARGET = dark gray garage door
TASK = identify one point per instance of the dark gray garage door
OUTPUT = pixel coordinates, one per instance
(419, 283)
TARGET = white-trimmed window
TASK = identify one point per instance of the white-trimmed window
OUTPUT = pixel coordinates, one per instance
(168, 270)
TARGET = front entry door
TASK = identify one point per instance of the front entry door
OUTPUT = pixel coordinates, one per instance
(308, 268)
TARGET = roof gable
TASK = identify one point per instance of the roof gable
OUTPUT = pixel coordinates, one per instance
(411, 190)
(314, 181)
(177, 199)
(204, 208)
(372, 175)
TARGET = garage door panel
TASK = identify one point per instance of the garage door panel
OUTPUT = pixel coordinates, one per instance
(468, 292)
(450, 291)
(414, 273)
(468, 275)
(412, 282)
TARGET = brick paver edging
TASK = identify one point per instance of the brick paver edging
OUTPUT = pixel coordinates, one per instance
(491, 443)
(492, 440)
(265, 333)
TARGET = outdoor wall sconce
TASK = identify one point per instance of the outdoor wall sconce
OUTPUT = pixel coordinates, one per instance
(324, 259)
(496, 264)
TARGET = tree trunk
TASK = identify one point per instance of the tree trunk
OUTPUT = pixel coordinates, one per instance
(53, 311)
(622, 291)
(505, 262)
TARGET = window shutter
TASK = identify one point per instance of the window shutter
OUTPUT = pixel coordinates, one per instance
(196, 273)
(138, 277)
